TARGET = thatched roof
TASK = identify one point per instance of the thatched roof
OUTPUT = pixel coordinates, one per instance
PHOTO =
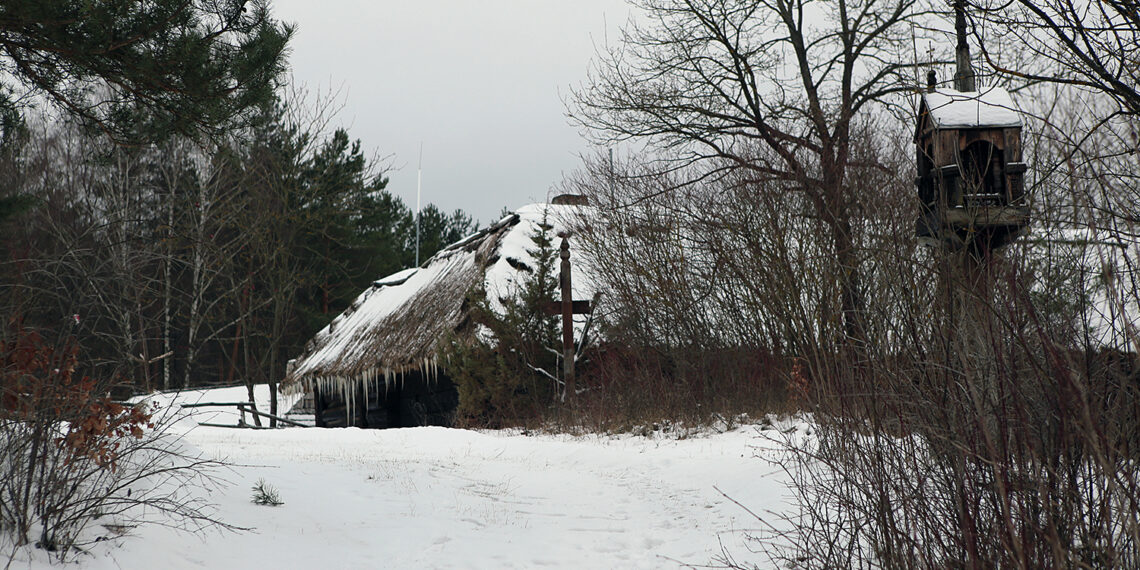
(397, 324)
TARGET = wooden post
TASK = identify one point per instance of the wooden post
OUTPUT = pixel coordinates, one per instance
(567, 307)
(567, 317)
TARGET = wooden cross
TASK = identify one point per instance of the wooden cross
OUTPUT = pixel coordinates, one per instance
(568, 308)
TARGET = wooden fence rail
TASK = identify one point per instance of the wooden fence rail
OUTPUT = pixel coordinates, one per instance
(243, 407)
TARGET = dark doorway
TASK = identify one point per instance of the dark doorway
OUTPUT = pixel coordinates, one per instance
(409, 400)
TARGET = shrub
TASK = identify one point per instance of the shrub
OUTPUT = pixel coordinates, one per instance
(632, 387)
(1015, 446)
(70, 455)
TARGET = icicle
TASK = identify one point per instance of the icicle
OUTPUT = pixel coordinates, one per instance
(349, 399)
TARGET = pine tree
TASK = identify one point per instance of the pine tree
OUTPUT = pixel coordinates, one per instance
(438, 230)
(507, 373)
(140, 71)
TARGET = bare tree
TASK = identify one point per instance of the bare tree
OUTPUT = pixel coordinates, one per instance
(1089, 44)
(769, 88)
(715, 274)
(1009, 450)
(87, 257)
(204, 196)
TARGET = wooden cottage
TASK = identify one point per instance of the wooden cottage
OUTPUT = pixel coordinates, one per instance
(970, 173)
(377, 364)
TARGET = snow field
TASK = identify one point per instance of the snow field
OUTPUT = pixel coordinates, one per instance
(445, 498)
(434, 497)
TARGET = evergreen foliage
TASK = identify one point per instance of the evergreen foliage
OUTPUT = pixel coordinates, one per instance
(438, 229)
(221, 231)
(265, 494)
(506, 371)
(226, 258)
(140, 71)
(13, 137)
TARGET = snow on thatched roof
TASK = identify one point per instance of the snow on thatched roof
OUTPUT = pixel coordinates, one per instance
(396, 325)
(990, 107)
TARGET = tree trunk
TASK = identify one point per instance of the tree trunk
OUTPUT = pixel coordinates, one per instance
(167, 294)
(835, 198)
(274, 353)
(850, 284)
(194, 318)
(247, 374)
(252, 400)
(272, 403)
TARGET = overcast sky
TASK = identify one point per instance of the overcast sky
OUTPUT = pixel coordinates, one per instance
(480, 83)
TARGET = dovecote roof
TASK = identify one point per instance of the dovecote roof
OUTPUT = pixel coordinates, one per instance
(991, 107)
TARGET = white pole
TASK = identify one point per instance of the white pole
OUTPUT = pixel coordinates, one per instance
(419, 182)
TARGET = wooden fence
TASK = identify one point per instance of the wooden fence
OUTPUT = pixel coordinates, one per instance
(243, 409)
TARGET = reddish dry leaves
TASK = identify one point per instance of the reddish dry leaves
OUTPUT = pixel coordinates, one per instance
(37, 382)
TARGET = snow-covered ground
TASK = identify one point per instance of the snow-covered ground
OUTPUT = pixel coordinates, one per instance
(445, 498)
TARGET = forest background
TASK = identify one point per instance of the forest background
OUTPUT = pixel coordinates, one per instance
(178, 244)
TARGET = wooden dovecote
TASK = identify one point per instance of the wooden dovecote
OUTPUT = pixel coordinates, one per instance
(970, 172)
